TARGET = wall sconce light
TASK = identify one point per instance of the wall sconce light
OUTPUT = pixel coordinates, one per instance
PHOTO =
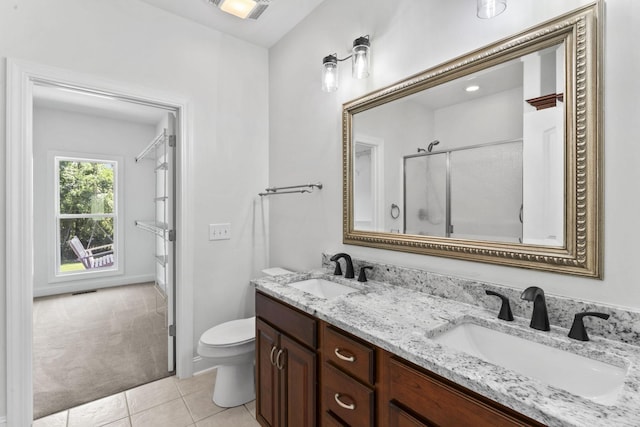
(491, 8)
(361, 58)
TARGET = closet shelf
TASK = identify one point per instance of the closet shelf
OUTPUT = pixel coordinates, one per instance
(160, 229)
(162, 259)
(162, 166)
(163, 137)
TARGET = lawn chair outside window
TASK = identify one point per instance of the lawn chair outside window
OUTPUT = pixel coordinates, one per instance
(92, 258)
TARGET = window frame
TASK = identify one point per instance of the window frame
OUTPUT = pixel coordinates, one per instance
(118, 244)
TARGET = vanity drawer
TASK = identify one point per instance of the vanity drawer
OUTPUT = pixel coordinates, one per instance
(442, 404)
(288, 320)
(329, 420)
(347, 398)
(349, 354)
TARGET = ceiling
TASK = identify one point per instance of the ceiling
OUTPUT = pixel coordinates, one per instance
(58, 98)
(498, 78)
(277, 20)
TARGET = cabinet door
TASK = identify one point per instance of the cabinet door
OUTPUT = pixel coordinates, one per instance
(267, 375)
(400, 418)
(298, 384)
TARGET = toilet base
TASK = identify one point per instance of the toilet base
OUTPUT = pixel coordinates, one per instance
(235, 385)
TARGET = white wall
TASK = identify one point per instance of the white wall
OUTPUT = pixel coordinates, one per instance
(492, 118)
(225, 81)
(67, 133)
(408, 36)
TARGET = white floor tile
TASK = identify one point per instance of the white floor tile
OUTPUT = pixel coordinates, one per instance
(170, 414)
(152, 394)
(201, 405)
(55, 420)
(236, 417)
(99, 412)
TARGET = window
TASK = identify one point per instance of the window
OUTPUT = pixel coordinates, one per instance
(86, 216)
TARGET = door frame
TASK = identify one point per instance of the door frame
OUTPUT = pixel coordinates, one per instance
(377, 176)
(20, 78)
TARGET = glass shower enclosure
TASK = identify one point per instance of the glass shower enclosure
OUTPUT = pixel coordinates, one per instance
(472, 192)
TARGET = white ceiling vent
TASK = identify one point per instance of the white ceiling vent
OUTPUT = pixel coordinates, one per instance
(251, 9)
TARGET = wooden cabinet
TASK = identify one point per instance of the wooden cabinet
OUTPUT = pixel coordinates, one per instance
(360, 385)
(347, 379)
(285, 365)
(417, 397)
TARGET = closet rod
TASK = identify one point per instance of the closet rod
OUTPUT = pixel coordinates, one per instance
(157, 140)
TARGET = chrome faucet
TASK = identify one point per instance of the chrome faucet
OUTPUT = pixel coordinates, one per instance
(539, 318)
(349, 274)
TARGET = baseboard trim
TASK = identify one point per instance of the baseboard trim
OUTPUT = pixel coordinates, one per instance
(105, 282)
(201, 365)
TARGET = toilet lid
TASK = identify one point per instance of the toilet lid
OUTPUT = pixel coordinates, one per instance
(230, 333)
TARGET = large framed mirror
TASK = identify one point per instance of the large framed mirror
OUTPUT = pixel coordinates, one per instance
(494, 156)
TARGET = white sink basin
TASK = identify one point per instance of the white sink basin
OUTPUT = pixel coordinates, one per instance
(323, 288)
(595, 380)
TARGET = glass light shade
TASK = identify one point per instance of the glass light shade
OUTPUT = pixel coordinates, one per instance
(490, 8)
(330, 73)
(360, 57)
(239, 8)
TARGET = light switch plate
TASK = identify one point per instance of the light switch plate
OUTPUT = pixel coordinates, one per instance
(220, 231)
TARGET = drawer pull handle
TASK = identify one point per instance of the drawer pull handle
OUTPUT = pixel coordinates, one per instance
(343, 357)
(273, 350)
(278, 364)
(350, 407)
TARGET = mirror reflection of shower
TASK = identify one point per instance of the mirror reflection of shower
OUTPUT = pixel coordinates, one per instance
(472, 191)
(429, 147)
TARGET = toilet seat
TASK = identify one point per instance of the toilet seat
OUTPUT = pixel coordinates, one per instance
(232, 333)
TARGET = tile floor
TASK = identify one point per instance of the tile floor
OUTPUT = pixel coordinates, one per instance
(169, 402)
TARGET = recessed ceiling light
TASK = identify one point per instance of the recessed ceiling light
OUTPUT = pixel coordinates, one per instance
(239, 8)
(472, 88)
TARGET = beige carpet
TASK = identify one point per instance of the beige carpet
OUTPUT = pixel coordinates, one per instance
(92, 345)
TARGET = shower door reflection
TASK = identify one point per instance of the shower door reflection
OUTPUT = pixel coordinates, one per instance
(472, 192)
(486, 193)
(425, 194)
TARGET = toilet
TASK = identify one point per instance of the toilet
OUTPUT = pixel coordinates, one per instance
(231, 346)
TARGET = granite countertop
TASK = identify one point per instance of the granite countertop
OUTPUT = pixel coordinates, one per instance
(402, 320)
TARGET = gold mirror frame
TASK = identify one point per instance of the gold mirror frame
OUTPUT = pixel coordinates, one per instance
(581, 254)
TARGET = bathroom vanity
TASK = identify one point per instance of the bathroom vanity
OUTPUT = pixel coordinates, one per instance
(358, 384)
(370, 358)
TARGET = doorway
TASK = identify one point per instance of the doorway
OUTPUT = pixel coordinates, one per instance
(368, 178)
(103, 288)
(22, 77)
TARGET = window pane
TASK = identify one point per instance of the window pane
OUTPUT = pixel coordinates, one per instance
(86, 244)
(86, 187)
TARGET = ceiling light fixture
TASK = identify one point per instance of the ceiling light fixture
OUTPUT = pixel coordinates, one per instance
(361, 59)
(472, 88)
(491, 8)
(243, 9)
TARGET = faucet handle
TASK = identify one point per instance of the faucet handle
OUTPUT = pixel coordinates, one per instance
(505, 308)
(362, 277)
(338, 270)
(578, 331)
